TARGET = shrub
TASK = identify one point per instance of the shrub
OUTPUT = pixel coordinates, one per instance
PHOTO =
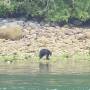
(50, 10)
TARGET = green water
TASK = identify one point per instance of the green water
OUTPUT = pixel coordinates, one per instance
(44, 77)
(44, 82)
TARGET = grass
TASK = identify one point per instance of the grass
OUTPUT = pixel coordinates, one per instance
(81, 56)
(26, 57)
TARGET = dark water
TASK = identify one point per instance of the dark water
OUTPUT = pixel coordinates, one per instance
(39, 76)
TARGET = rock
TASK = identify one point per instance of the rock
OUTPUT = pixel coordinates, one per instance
(87, 34)
(72, 31)
(68, 41)
(57, 39)
(81, 36)
(11, 31)
(74, 22)
(43, 40)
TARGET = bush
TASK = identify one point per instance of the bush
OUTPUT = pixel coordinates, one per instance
(50, 10)
(81, 9)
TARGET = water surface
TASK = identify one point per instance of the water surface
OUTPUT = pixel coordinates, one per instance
(45, 76)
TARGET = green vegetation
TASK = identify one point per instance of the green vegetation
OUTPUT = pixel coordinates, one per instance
(24, 57)
(50, 10)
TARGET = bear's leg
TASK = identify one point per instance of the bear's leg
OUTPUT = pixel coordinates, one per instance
(47, 57)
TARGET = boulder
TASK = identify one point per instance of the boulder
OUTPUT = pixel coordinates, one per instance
(87, 34)
(11, 31)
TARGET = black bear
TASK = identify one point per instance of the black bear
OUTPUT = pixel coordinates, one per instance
(45, 52)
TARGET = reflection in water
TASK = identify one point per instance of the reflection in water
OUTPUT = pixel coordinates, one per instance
(43, 67)
(45, 76)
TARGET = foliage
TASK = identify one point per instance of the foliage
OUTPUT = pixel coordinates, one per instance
(81, 9)
(51, 10)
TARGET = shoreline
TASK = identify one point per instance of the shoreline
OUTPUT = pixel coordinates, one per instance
(64, 42)
(60, 67)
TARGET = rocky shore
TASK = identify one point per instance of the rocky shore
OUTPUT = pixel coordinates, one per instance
(32, 36)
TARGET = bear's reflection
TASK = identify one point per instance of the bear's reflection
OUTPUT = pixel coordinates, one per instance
(44, 67)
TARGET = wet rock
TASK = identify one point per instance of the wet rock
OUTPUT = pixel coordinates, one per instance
(74, 22)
